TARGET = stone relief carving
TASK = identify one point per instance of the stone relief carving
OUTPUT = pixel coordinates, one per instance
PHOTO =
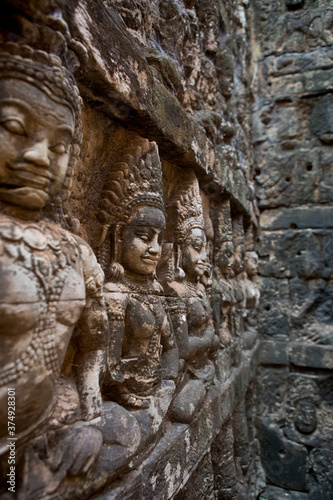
(250, 290)
(252, 296)
(142, 353)
(190, 311)
(100, 373)
(222, 290)
(238, 282)
(50, 278)
(303, 401)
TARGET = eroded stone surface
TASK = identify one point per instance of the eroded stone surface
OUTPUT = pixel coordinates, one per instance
(293, 151)
(135, 380)
(123, 377)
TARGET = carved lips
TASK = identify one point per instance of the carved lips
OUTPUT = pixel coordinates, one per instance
(23, 174)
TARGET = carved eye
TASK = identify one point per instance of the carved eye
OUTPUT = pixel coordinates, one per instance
(59, 149)
(144, 237)
(14, 126)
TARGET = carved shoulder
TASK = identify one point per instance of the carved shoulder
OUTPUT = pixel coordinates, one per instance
(116, 301)
(177, 289)
(92, 271)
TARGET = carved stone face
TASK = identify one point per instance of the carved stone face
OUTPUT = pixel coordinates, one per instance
(239, 259)
(35, 139)
(141, 241)
(226, 257)
(306, 418)
(251, 263)
(194, 254)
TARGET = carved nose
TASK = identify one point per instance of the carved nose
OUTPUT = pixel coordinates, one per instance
(154, 248)
(203, 255)
(38, 154)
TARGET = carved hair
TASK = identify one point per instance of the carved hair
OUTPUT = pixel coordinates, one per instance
(238, 230)
(250, 237)
(251, 254)
(222, 226)
(134, 181)
(303, 388)
(185, 208)
(185, 213)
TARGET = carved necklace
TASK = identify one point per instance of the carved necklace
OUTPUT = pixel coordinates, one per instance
(146, 288)
(193, 289)
(28, 239)
(147, 295)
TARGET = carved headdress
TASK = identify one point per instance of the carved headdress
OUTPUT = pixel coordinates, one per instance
(221, 216)
(135, 180)
(222, 223)
(185, 212)
(250, 238)
(42, 70)
(303, 388)
(238, 230)
(50, 70)
(185, 208)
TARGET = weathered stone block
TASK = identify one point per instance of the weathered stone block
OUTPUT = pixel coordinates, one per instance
(271, 389)
(274, 353)
(321, 481)
(273, 320)
(297, 218)
(201, 483)
(311, 356)
(274, 493)
(274, 254)
(285, 463)
(292, 173)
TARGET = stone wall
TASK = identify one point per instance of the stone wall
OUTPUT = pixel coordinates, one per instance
(293, 154)
(128, 250)
(149, 149)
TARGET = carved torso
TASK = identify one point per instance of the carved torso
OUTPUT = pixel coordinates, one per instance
(252, 294)
(238, 287)
(42, 295)
(224, 288)
(146, 331)
(201, 338)
(199, 313)
(224, 299)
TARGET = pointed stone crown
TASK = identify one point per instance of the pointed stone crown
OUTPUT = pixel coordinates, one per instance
(222, 223)
(44, 71)
(135, 180)
(185, 208)
(238, 230)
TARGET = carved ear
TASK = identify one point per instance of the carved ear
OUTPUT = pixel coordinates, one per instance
(117, 242)
(116, 271)
(179, 272)
(103, 234)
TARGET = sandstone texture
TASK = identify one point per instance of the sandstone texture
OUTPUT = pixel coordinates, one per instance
(166, 245)
(293, 152)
